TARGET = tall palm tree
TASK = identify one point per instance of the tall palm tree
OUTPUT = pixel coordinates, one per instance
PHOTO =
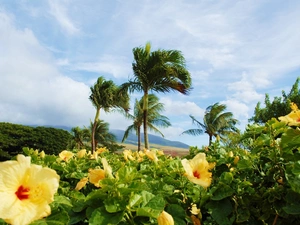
(216, 123)
(158, 71)
(154, 118)
(106, 95)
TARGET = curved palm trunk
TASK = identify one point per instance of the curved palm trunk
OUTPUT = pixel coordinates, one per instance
(139, 138)
(94, 144)
(145, 119)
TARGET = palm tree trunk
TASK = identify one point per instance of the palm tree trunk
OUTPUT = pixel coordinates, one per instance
(145, 119)
(139, 138)
(210, 139)
(94, 129)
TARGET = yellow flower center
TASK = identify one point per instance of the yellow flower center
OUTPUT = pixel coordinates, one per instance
(22, 193)
(196, 174)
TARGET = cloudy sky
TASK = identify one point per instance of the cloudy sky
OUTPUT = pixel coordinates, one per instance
(52, 52)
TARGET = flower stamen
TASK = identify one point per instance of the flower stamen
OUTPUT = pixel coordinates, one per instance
(22, 193)
(196, 174)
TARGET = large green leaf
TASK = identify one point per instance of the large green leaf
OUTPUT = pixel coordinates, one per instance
(220, 210)
(101, 217)
(222, 191)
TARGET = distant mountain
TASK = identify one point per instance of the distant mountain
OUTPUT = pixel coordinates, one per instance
(153, 139)
(132, 138)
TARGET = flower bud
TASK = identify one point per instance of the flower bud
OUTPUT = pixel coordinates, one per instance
(165, 219)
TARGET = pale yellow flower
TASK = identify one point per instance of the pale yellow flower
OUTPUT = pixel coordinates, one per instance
(102, 149)
(94, 156)
(293, 118)
(81, 184)
(160, 152)
(107, 168)
(230, 154)
(81, 153)
(26, 190)
(236, 160)
(42, 154)
(194, 210)
(197, 170)
(293, 106)
(165, 219)
(66, 155)
(151, 155)
(128, 155)
(95, 176)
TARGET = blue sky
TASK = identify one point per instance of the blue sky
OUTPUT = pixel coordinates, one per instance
(51, 52)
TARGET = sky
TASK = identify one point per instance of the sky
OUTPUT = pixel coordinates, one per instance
(52, 52)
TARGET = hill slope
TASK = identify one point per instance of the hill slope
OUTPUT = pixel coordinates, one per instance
(153, 139)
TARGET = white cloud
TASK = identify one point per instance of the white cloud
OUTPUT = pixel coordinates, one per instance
(181, 108)
(244, 90)
(118, 67)
(59, 12)
(238, 108)
(33, 91)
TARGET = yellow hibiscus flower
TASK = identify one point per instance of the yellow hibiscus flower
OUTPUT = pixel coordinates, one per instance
(26, 190)
(293, 118)
(96, 175)
(165, 219)
(81, 153)
(197, 170)
(151, 155)
(66, 155)
(81, 184)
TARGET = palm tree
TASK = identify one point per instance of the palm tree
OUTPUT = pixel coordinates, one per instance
(158, 71)
(216, 123)
(102, 134)
(154, 118)
(79, 136)
(106, 95)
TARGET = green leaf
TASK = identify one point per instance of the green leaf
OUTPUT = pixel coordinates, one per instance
(293, 209)
(220, 210)
(296, 168)
(113, 205)
(244, 164)
(290, 139)
(153, 208)
(222, 192)
(57, 217)
(243, 214)
(101, 217)
(226, 177)
(135, 200)
(177, 212)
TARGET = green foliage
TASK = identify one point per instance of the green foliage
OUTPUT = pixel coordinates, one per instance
(280, 106)
(253, 183)
(13, 137)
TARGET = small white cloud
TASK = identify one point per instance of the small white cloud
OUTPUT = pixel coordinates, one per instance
(59, 12)
(181, 108)
(115, 65)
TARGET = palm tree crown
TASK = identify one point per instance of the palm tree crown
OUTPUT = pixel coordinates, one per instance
(216, 123)
(106, 95)
(154, 118)
(158, 71)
